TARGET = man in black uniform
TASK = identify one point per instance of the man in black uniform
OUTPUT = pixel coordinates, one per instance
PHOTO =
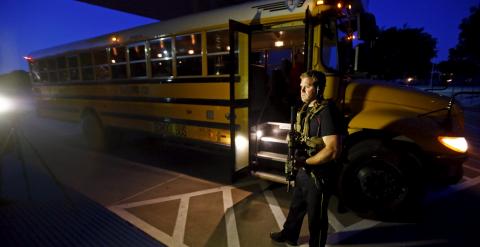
(318, 127)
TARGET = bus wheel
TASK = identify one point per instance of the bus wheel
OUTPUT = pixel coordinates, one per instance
(380, 180)
(93, 131)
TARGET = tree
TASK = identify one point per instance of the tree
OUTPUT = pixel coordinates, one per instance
(403, 52)
(466, 55)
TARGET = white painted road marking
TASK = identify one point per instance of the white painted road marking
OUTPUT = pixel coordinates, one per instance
(230, 221)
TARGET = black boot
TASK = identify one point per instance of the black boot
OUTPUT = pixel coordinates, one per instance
(279, 237)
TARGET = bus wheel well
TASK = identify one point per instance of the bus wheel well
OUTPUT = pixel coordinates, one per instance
(392, 139)
(381, 174)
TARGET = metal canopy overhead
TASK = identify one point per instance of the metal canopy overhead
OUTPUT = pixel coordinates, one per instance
(161, 9)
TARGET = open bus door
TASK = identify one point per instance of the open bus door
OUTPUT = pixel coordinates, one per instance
(239, 94)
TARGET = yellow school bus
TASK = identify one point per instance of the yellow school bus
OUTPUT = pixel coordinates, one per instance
(223, 81)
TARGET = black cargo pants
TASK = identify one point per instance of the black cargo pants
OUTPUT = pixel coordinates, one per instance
(311, 197)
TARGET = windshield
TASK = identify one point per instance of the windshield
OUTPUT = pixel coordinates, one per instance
(338, 39)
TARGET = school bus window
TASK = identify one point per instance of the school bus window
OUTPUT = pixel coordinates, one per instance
(42, 64)
(53, 77)
(73, 68)
(87, 73)
(161, 57)
(189, 66)
(35, 70)
(43, 76)
(187, 45)
(61, 62)
(117, 55)
(217, 41)
(118, 62)
(101, 69)
(43, 70)
(72, 62)
(161, 48)
(62, 69)
(220, 64)
(100, 57)
(119, 71)
(188, 52)
(86, 59)
(218, 48)
(136, 54)
(138, 69)
(52, 64)
(161, 68)
(102, 72)
(62, 75)
(86, 64)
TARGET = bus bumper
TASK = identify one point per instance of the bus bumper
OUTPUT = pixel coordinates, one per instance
(446, 169)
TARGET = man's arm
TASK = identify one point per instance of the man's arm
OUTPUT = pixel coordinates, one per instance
(330, 152)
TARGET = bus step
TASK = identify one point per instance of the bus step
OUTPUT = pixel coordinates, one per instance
(273, 139)
(270, 177)
(272, 156)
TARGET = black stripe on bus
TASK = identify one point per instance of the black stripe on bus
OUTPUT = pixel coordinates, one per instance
(215, 102)
(224, 79)
(168, 120)
(70, 109)
(149, 100)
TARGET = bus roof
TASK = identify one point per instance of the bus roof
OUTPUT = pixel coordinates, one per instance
(254, 12)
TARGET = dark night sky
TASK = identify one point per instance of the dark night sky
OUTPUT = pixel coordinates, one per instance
(28, 25)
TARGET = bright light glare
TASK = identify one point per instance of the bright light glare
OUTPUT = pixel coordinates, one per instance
(241, 143)
(259, 134)
(320, 2)
(5, 104)
(458, 144)
(278, 43)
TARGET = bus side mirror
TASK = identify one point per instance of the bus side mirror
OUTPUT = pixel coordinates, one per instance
(367, 34)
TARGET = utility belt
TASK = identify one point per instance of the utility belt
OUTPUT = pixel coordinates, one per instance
(323, 170)
(320, 175)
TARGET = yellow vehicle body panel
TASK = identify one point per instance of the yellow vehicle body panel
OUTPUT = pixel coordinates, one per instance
(415, 115)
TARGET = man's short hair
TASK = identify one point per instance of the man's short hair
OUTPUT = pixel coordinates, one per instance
(318, 77)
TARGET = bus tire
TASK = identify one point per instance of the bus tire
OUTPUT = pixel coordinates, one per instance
(93, 131)
(381, 180)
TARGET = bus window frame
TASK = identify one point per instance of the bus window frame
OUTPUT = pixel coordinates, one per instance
(130, 62)
(118, 64)
(177, 58)
(85, 67)
(218, 53)
(99, 66)
(70, 68)
(153, 58)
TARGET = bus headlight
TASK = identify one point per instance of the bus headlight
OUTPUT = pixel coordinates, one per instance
(458, 144)
(6, 105)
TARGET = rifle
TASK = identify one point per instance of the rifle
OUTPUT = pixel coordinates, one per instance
(293, 137)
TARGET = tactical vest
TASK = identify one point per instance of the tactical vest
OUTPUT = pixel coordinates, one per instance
(302, 125)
